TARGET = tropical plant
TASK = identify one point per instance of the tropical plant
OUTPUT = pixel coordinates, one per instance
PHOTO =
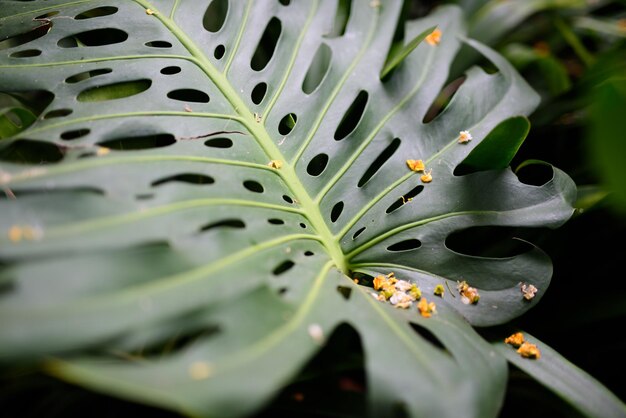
(199, 194)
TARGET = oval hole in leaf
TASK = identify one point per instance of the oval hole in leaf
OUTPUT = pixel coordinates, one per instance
(287, 199)
(27, 151)
(226, 223)
(344, 291)
(488, 241)
(267, 45)
(428, 336)
(189, 95)
(535, 174)
(406, 245)
(219, 52)
(253, 186)
(308, 253)
(57, 113)
(317, 165)
(215, 15)
(285, 2)
(443, 99)
(139, 142)
(342, 15)
(336, 211)
(75, 134)
(26, 53)
(171, 70)
(258, 93)
(96, 12)
(94, 37)
(219, 143)
(318, 69)
(26, 37)
(302, 225)
(158, 44)
(352, 117)
(379, 161)
(283, 267)
(85, 75)
(358, 232)
(287, 123)
(191, 178)
(405, 199)
(114, 91)
(275, 221)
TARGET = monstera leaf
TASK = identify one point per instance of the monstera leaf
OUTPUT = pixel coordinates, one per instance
(222, 172)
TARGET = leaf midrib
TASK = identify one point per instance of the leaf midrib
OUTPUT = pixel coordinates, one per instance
(257, 129)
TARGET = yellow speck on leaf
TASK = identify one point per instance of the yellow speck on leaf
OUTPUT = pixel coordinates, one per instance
(415, 165)
(464, 137)
(150, 12)
(257, 117)
(529, 291)
(188, 108)
(434, 37)
(102, 151)
(277, 164)
(426, 309)
(200, 370)
(439, 290)
(528, 350)
(15, 233)
(427, 176)
(375, 4)
(515, 340)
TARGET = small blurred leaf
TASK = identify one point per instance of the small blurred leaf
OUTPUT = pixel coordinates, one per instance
(399, 54)
(551, 69)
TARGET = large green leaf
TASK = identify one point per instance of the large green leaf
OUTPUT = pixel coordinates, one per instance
(148, 203)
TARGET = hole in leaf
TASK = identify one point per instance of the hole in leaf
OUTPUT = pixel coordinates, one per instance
(114, 91)
(26, 37)
(352, 117)
(97, 12)
(26, 53)
(318, 69)
(317, 165)
(94, 37)
(336, 212)
(191, 178)
(85, 75)
(26, 151)
(35, 100)
(265, 49)
(405, 199)
(287, 199)
(302, 225)
(258, 93)
(226, 223)
(47, 15)
(219, 52)
(275, 221)
(287, 123)
(487, 241)
(342, 15)
(158, 44)
(253, 186)
(57, 113)
(358, 232)
(215, 15)
(171, 70)
(219, 142)
(282, 291)
(428, 336)
(189, 95)
(308, 253)
(139, 142)
(344, 291)
(283, 267)
(535, 174)
(443, 99)
(284, 2)
(406, 245)
(379, 161)
(75, 134)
